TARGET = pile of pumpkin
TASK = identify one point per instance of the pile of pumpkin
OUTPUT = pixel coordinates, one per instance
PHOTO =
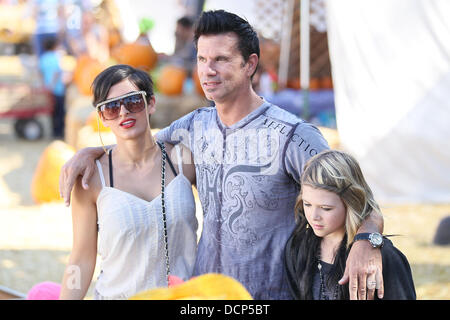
(170, 78)
(316, 83)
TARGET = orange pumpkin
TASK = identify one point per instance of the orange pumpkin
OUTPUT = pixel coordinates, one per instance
(85, 72)
(114, 38)
(136, 55)
(326, 82)
(94, 124)
(293, 83)
(314, 84)
(171, 80)
(45, 182)
(197, 84)
(209, 286)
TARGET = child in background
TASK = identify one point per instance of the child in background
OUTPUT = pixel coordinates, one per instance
(333, 202)
(50, 68)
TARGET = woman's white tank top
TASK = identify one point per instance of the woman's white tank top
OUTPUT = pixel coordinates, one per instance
(131, 238)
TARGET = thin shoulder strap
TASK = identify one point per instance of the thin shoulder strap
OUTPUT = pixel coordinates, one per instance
(111, 182)
(169, 161)
(180, 160)
(100, 171)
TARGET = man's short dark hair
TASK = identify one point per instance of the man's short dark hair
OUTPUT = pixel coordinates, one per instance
(219, 21)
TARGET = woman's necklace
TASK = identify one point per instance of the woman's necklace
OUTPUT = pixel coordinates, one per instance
(322, 295)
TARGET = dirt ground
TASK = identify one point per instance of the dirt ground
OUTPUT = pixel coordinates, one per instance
(35, 240)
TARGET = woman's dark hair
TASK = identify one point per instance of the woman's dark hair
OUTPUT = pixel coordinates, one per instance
(219, 21)
(115, 74)
(302, 252)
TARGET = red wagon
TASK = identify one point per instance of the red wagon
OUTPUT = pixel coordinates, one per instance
(23, 103)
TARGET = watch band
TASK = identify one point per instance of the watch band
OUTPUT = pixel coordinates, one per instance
(375, 238)
(361, 236)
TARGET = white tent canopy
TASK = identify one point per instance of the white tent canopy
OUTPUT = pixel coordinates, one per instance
(391, 73)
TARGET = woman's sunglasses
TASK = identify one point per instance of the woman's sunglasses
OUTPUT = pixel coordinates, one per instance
(134, 102)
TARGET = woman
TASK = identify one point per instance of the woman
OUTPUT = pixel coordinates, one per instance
(333, 202)
(139, 210)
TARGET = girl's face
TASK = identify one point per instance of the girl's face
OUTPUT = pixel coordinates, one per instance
(325, 212)
(128, 125)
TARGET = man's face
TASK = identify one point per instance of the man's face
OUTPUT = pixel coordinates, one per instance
(221, 68)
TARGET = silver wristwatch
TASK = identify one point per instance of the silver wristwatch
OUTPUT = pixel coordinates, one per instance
(375, 238)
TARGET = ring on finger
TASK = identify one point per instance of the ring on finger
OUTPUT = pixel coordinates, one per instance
(371, 284)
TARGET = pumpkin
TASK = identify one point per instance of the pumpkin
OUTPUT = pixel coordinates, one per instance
(326, 82)
(114, 38)
(136, 55)
(85, 72)
(293, 83)
(94, 123)
(314, 84)
(171, 80)
(197, 84)
(45, 182)
(209, 286)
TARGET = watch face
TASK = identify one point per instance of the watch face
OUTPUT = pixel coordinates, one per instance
(376, 239)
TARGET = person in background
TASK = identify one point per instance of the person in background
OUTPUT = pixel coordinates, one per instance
(184, 54)
(333, 202)
(184, 45)
(52, 73)
(48, 15)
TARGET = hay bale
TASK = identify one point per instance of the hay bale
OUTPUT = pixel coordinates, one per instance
(78, 108)
(332, 137)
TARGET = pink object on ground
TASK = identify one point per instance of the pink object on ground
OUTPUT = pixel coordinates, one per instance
(44, 291)
(174, 280)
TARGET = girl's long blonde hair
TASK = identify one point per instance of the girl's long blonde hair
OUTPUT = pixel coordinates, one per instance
(339, 172)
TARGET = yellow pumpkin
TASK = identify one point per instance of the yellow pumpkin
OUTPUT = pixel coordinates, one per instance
(94, 124)
(45, 182)
(137, 55)
(211, 286)
(171, 80)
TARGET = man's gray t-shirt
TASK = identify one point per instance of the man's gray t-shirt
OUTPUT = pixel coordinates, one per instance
(248, 179)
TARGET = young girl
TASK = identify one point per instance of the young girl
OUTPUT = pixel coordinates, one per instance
(139, 210)
(333, 202)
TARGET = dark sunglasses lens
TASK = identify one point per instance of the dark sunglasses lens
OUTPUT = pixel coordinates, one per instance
(111, 110)
(134, 103)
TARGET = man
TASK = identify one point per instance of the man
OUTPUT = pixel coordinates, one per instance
(248, 155)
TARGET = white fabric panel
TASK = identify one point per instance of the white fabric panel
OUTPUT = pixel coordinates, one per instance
(391, 71)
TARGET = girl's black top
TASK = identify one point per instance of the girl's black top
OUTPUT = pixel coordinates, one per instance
(397, 277)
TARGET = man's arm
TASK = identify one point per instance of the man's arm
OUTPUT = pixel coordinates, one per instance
(178, 131)
(81, 164)
(365, 261)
